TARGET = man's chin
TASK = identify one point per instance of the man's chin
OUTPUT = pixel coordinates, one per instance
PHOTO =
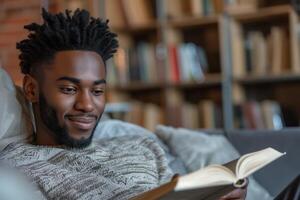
(76, 140)
(78, 143)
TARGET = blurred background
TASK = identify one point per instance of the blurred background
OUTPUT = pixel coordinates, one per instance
(213, 64)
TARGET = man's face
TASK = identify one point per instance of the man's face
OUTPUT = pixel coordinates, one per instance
(71, 97)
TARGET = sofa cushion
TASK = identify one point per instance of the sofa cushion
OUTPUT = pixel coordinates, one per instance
(15, 120)
(198, 149)
(276, 176)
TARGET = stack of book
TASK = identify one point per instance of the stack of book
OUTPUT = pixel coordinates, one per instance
(146, 63)
(259, 115)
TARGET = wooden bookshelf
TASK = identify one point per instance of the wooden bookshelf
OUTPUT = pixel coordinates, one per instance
(153, 26)
(225, 34)
(134, 87)
(264, 14)
(193, 21)
(271, 79)
(264, 85)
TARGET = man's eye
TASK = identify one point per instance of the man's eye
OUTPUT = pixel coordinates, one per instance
(68, 90)
(98, 92)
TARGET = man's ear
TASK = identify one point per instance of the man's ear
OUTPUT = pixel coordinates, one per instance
(31, 88)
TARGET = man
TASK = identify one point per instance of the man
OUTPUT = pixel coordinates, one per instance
(65, 78)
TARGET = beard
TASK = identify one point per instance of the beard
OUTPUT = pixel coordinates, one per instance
(60, 133)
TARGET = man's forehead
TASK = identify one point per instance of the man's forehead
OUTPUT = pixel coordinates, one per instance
(75, 55)
(81, 65)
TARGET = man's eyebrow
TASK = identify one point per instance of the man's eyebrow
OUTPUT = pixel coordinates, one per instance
(77, 81)
(102, 81)
(71, 79)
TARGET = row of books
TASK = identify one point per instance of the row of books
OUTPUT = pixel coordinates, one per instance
(197, 8)
(147, 115)
(267, 53)
(133, 13)
(261, 52)
(259, 115)
(149, 63)
(141, 13)
(205, 114)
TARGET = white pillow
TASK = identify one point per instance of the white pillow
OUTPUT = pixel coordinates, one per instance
(15, 120)
(15, 186)
(197, 149)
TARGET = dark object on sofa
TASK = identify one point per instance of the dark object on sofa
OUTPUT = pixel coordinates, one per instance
(276, 176)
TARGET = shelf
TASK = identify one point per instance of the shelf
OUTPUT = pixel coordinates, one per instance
(270, 79)
(135, 29)
(211, 80)
(263, 14)
(193, 21)
(138, 86)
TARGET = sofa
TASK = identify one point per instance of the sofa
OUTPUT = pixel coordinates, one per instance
(209, 146)
(278, 174)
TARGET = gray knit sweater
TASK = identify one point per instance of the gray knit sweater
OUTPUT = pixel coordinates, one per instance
(114, 168)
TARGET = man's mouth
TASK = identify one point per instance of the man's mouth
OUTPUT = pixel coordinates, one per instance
(82, 122)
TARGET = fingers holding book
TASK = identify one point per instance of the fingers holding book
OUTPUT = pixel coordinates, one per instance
(238, 193)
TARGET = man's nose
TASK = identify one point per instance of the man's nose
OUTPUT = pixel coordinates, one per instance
(84, 102)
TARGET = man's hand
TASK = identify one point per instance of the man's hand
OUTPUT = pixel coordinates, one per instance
(236, 194)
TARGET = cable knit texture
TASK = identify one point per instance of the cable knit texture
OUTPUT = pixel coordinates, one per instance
(113, 168)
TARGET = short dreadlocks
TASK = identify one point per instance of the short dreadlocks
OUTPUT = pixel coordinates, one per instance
(64, 31)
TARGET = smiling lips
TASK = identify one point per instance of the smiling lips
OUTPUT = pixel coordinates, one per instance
(82, 122)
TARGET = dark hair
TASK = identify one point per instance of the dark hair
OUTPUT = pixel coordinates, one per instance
(65, 32)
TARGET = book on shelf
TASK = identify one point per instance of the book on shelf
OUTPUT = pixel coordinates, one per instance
(213, 181)
(264, 54)
(115, 13)
(138, 12)
(151, 63)
(173, 113)
(206, 7)
(143, 57)
(272, 114)
(135, 114)
(147, 62)
(187, 62)
(237, 44)
(192, 62)
(207, 114)
(174, 9)
(253, 115)
(210, 115)
(256, 53)
(177, 9)
(161, 54)
(197, 8)
(152, 116)
(190, 116)
(117, 70)
(218, 6)
(259, 115)
(279, 51)
(242, 6)
(174, 63)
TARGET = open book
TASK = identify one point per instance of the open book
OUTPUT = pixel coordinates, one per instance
(213, 181)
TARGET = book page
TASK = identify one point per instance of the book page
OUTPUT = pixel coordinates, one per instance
(249, 163)
(231, 165)
(213, 175)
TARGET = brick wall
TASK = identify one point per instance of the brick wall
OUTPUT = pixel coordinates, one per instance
(14, 14)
